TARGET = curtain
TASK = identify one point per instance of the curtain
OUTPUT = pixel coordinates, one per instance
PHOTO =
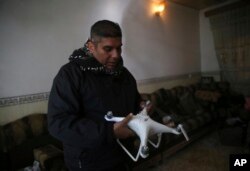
(231, 32)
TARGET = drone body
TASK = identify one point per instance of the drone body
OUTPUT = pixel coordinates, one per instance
(144, 127)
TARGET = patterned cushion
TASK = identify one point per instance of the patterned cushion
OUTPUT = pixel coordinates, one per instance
(188, 103)
(20, 137)
(197, 121)
(44, 155)
(180, 104)
(18, 131)
(206, 95)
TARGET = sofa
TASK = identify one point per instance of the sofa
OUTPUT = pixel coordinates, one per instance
(201, 108)
(19, 139)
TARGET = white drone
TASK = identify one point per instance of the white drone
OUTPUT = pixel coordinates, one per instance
(145, 127)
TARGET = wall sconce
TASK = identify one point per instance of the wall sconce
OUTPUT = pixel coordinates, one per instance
(159, 7)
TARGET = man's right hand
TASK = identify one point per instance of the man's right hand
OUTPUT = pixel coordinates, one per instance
(121, 129)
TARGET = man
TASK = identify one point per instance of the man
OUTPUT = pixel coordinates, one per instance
(91, 84)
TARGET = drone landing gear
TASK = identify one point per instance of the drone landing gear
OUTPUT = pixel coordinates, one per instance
(143, 150)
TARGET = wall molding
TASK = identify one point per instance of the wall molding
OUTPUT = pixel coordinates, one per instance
(168, 78)
(215, 72)
(17, 100)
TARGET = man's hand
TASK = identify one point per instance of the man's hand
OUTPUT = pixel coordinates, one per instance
(121, 129)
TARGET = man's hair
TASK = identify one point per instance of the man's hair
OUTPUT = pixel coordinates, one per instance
(105, 28)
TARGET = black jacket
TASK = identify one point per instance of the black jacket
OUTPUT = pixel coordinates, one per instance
(82, 93)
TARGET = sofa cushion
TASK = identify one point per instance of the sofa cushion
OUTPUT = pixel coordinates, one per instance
(20, 137)
(189, 104)
(207, 95)
(162, 114)
(197, 121)
(46, 155)
(16, 132)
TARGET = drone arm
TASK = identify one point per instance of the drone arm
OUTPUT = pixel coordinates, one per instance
(113, 119)
(160, 128)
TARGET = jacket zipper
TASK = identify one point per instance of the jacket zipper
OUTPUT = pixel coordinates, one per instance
(80, 164)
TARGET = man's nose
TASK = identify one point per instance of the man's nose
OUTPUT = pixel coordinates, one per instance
(116, 54)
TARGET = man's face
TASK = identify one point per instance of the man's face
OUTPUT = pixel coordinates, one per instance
(107, 51)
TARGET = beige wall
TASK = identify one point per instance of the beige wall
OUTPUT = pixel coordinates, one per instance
(149, 86)
(10, 113)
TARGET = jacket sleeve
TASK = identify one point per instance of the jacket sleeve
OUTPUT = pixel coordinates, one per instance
(65, 120)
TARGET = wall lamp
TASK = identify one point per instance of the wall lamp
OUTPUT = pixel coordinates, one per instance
(159, 7)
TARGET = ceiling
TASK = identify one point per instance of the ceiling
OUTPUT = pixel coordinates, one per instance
(198, 4)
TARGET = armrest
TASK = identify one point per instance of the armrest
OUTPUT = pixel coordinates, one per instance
(46, 155)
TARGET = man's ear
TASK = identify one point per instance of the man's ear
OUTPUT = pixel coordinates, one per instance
(91, 46)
